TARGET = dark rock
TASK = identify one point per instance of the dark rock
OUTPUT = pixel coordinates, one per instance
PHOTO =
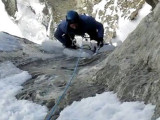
(153, 3)
(10, 6)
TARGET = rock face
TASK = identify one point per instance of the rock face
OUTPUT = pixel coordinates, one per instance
(10, 6)
(50, 77)
(153, 3)
(21, 51)
(133, 69)
(50, 71)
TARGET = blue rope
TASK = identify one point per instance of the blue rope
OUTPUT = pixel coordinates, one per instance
(53, 110)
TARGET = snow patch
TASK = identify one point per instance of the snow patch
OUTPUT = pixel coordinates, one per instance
(107, 106)
(6, 24)
(52, 46)
(29, 17)
(11, 79)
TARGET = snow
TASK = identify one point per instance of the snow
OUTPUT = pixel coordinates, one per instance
(99, 6)
(126, 26)
(11, 79)
(51, 46)
(106, 106)
(6, 24)
(28, 24)
(29, 21)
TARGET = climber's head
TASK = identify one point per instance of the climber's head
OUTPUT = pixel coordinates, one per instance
(72, 18)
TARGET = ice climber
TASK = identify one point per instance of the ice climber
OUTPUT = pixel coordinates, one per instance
(76, 24)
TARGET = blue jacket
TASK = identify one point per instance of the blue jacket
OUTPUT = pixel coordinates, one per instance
(87, 24)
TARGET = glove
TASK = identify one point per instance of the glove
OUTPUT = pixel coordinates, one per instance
(73, 47)
(71, 44)
(68, 43)
(100, 42)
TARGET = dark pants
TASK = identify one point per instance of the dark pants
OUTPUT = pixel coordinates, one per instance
(68, 38)
(93, 35)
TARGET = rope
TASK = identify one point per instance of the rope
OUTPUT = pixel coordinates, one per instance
(53, 110)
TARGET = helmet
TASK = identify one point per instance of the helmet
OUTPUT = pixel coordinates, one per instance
(72, 17)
